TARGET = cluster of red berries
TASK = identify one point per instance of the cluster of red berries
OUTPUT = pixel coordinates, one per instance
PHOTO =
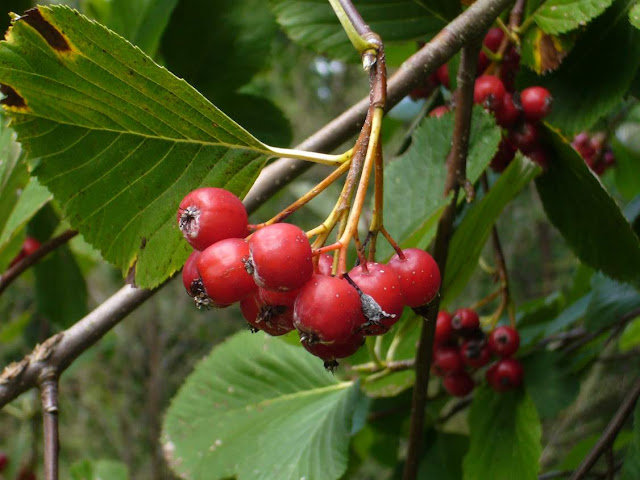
(29, 246)
(592, 148)
(280, 286)
(461, 348)
(519, 113)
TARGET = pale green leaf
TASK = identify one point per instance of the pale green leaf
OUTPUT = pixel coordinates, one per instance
(634, 15)
(560, 16)
(469, 238)
(630, 337)
(258, 408)
(414, 183)
(99, 470)
(117, 139)
(313, 23)
(505, 437)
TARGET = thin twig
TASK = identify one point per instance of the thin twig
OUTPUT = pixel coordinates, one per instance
(617, 326)
(49, 397)
(456, 167)
(14, 271)
(610, 432)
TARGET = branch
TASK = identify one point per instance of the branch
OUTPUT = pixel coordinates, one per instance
(62, 349)
(456, 168)
(14, 272)
(474, 21)
(610, 432)
(49, 398)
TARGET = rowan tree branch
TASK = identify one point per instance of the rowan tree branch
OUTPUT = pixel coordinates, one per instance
(610, 432)
(60, 350)
(456, 168)
(49, 398)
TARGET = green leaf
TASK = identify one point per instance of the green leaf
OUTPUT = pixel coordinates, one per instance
(551, 385)
(634, 15)
(560, 16)
(630, 337)
(505, 437)
(142, 22)
(610, 44)
(441, 459)
(99, 470)
(313, 23)
(610, 300)
(469, 238)
(542, 52)
(626, 149)
(574, 198)
(390, 385)
(227, 43)
(260, 409)
(631, 465)
(414, 183)
(117, 139)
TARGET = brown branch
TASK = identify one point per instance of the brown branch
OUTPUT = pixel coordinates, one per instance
(456, 168)
(49, 397)
(474, 21)
(14, 271)
(355, 18)
(62, 349)
(610, 432)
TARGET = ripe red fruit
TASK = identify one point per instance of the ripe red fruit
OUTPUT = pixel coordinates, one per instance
(281, 256)
(526, 137)
(447, 360)
(465, 321)
(382, 284)
(442, 74)
(504, 341)
(444, 329)
(458, 384)
(274, 316)
(208, 215)
(540, 156)
(418, 274)
(329, 352)
(489, 92)
(325, 264)
(29, 246)
(4, 461)
(192, 281)
(509, 68)
(327, 310)
(508, 113)
(224, 269)
(493, 39)
(536, 103)
(475, 353)
(439, 111)
(505, 374)
(504, 155)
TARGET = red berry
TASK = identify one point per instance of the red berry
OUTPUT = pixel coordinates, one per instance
(504, 155)
(29, 246)
(327, 310)
(447, 360)
(444, 329)
(192, 281)
(508, 113)
(505, 374)
(540, 156)
(274, 315)
(536, 103)
(224, 269)
(330, 351)
(439, 111)
(489, 92)
(475, 353)
(509, 68)
(325, 264)
(382, 284)
(418, 274)
(465, 321)
(458, 384)
(493, 39)
(442, 74)
(281, 256)
(526, 137)
(4, 461)
(504, 341)
(208, 215)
